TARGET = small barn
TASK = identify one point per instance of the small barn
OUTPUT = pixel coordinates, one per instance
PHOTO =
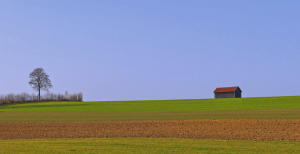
(228, 92)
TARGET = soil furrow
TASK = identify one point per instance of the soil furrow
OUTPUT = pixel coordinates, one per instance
(279, 130)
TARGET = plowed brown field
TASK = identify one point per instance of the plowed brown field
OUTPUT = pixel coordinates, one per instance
(288, 130)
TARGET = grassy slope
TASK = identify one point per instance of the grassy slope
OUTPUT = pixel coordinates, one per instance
(125, 116)
(145, 145)
(245, 108)
(160, 105)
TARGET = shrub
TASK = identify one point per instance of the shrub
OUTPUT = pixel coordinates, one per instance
(49, 97)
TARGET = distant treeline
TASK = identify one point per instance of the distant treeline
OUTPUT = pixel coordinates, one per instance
(26, 98)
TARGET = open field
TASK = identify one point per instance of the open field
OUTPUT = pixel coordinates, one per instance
(276, 130)
(126, 116)
(145, 145)
(212, 126)
(263, 103)
(245, 108)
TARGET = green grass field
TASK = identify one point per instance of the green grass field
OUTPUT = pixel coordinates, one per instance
(245, 108)
(261, 103)
(145, 145)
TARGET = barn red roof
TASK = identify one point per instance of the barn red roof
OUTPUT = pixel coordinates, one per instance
(226, 89)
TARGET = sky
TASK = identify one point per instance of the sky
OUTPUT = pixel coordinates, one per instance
(136, 50)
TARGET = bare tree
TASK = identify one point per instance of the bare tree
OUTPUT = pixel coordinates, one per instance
(39, 80)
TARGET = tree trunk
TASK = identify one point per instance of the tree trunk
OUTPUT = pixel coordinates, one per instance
(39, 94)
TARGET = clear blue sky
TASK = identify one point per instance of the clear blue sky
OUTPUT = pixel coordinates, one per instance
(124, 50)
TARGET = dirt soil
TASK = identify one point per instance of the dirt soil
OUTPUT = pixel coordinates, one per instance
(277, 130)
